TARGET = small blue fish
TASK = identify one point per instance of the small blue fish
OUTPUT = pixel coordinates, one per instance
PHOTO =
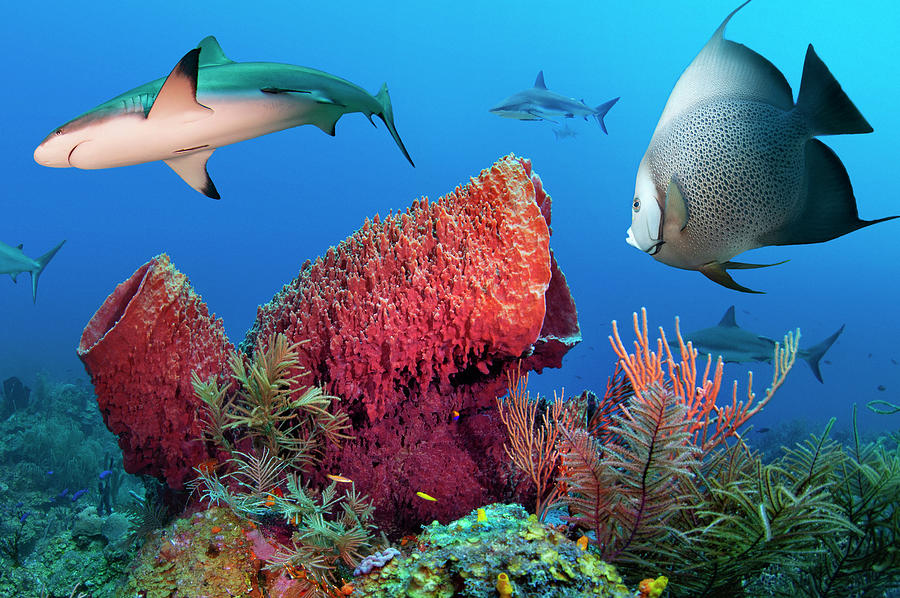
(24, 516)
(78, 494)
(63, 493)
(105, 473)
(50, 472)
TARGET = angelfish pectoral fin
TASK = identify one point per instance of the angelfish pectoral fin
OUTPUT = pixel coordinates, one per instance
(178, 95)
(717, 272)
(192, 168)
(676, 215)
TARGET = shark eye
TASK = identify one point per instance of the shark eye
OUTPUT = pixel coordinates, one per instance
(636, 204)
(59, 131)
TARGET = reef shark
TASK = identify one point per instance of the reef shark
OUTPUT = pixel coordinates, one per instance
(13, 261)
(539, 103)
(206, 102)
(737, 345)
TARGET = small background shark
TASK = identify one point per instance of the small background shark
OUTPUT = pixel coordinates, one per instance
(13, 261)
(539, 103)
(737, 345)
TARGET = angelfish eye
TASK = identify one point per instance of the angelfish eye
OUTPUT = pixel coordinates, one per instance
(636, 204)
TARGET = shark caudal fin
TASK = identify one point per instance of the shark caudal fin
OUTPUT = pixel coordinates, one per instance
(814, 354)
(387, 115)
(601, 110)
(41, 264)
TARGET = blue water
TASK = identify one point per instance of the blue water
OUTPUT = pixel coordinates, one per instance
(289, 195)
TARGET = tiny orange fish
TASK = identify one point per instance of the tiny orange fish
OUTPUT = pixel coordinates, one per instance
(339, 478)
(425, 496)
(454, 415)
(582, 542)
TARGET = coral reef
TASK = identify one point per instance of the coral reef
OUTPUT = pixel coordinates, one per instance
(411, 318)
(140, 349)
(508, 549)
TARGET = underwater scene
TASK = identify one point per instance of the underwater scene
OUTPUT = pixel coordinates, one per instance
(547, 300)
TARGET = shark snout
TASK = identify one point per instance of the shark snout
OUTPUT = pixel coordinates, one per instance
(52, 155)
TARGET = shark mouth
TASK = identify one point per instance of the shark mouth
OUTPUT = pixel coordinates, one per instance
(72, 151)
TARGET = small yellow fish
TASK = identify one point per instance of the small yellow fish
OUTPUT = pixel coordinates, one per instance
(454, 415)
(425, 496)
(482, 516)
(582, 542)
(339, 478)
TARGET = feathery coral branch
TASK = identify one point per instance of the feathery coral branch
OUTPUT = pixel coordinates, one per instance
(531, 448)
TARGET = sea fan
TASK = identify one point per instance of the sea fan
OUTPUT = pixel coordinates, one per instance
(627, 491)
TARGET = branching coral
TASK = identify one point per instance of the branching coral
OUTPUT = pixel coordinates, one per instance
(532, 448)
(285, 426)
(866, 561)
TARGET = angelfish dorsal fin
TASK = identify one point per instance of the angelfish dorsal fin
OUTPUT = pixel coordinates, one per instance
(211, 53)
(192, 168)
(724, 69)
(178, 95)
(539, 82)
(728, 320)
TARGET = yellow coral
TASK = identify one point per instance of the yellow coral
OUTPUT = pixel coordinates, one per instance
(653, 588)
(504, 588)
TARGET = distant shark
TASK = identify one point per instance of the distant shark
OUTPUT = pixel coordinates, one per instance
(737, 345)
(539, 103)
(13, 261)
(206, 102)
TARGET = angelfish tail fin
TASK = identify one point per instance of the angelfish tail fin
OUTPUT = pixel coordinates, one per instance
(387, 115)
(42, 263)
(601, 110)
(827, 108)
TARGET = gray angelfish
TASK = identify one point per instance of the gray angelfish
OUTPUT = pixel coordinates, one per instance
(539, 103)
(737, 345)
(206, 102)
(734, 164)
(13, 261)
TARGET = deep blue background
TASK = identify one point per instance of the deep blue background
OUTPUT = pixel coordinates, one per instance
(288, 196)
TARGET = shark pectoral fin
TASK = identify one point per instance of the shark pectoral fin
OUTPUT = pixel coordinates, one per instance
(178, 95)
(211, 53)
(539, 116)
(676, 211)
(715, 271)
(192, 169)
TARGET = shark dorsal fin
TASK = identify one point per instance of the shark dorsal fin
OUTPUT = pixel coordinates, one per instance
(539, 82)
(728, 320)
(211, 53)
(178, 95)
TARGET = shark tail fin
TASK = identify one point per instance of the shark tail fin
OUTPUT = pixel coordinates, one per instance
(42, 263)
(387, 115)
(601, 110)
(814, 354)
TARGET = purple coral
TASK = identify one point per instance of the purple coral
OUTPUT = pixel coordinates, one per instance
(379, 560)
